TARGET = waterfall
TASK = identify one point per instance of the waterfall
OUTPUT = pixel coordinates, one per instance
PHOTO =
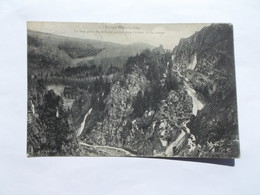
(82, 125)
(57, 112)
(33, 108)
(193, 64)
(197, 105)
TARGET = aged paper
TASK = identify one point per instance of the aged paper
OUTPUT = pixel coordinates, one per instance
(148, 90)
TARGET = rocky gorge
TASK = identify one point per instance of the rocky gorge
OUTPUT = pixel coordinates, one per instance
(162, 103)
(198, 118)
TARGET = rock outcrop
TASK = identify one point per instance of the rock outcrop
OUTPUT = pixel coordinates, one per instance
(207, 61)
(150, 110)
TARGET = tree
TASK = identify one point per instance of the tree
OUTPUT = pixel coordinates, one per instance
(138, 105)
(171, 81)
(54, 117)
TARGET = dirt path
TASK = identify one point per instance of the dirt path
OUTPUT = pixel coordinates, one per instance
(113, 151)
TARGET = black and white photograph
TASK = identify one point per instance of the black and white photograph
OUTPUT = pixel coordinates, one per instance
(125, 89)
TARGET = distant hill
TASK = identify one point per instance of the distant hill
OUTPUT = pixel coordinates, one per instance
(53, 51)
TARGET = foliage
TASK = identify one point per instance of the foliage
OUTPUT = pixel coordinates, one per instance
(112, 69)
(78, 49)
(54, 117)
(171, 79)
(82, 71)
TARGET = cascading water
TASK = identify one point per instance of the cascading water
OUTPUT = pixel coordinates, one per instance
(33, 108)
(196, 104)
(82, 125)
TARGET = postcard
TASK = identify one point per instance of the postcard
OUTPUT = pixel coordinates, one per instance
(144, 90)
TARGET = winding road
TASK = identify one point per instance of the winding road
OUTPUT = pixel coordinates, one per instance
(176, 143)
(112, 151)
(196, 106)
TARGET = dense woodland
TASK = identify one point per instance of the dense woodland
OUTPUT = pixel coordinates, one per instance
(90, 80)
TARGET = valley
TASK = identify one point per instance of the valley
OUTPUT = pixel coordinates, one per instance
(94, 98)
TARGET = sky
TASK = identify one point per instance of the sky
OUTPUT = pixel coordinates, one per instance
(154, 34)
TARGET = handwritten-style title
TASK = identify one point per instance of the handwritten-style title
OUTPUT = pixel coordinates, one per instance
(104, 29)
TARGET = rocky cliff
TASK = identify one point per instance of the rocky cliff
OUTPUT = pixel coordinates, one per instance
(142, 114)
(181, 103)
(207, 61)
